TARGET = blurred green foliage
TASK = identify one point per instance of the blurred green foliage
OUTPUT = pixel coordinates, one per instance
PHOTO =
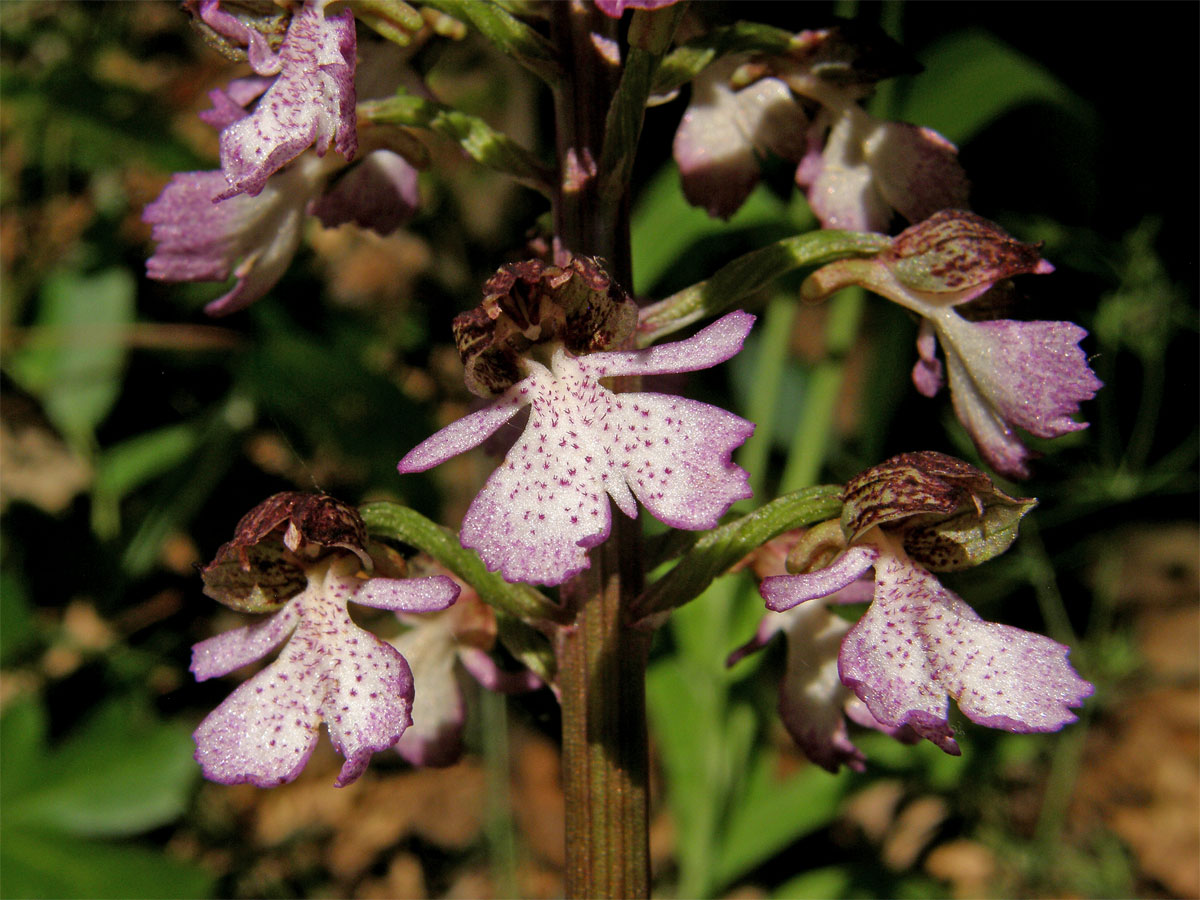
(174, 431)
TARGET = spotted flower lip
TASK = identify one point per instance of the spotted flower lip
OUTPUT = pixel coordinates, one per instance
(919, 644)
(813, 702)
(545, 505)
(309, 104)
(330, 671)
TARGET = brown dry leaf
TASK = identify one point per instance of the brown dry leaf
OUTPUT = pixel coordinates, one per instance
(914, 828)
(310, 801)
(405, 880)
(537, 796)
(442, 806)
(1142, 767)
(1159, 565)
(39, 468)
(366, 270)
(969, 867)
(471, 884)
(873, 809)
(1168, 639)
(538, 882)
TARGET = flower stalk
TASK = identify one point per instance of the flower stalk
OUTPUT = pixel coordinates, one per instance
(601, 660)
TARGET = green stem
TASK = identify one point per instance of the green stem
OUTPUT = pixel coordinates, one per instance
(501, 836)
(739, 279)
(810, 441)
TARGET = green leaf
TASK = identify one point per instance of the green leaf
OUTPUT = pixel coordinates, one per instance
(17, 629)
(481, 142)
(181, 494)
(816, 884)
(23, 728)
(719, 549)
(76, 356)
(36, 863)
(510, 35)
(665, 225)
(121, 774)
(772, 813)
(705, 733)
(686, 62)
(972, 78)
(391, 520)
(123, 467)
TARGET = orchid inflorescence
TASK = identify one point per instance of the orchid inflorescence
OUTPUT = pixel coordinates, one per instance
(552, 352)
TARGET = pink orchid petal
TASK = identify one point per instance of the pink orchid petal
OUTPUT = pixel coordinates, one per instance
(1003, 373)
(438, 711)
(380, 193)
(858, 713)
(811, 696)
(783, 592)
(918, 643)
(221, 654)
(927, 373)
(716, 343)
(767, 629)
(718, 143)
(262, 60)
(870, 169)
(916, 170)
(416, 595)
(229, 105)
(545, 505)
(483, 669)
(331, 671)
(250, 238)
(840, 183)
(466, 433)
(998, 443)
(678, 454)
(311, 103)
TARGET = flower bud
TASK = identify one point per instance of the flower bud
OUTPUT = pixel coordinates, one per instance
(529, 303)
(264, 565)
(949, 513)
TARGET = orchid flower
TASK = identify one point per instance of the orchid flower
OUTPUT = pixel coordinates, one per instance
(615, 8)
(438, 646)
(724, 132)
(545, 506)
(1004, 374)
(305, 553)
(918, 644)
(857, 171)
(310, 103)
(814, 705)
